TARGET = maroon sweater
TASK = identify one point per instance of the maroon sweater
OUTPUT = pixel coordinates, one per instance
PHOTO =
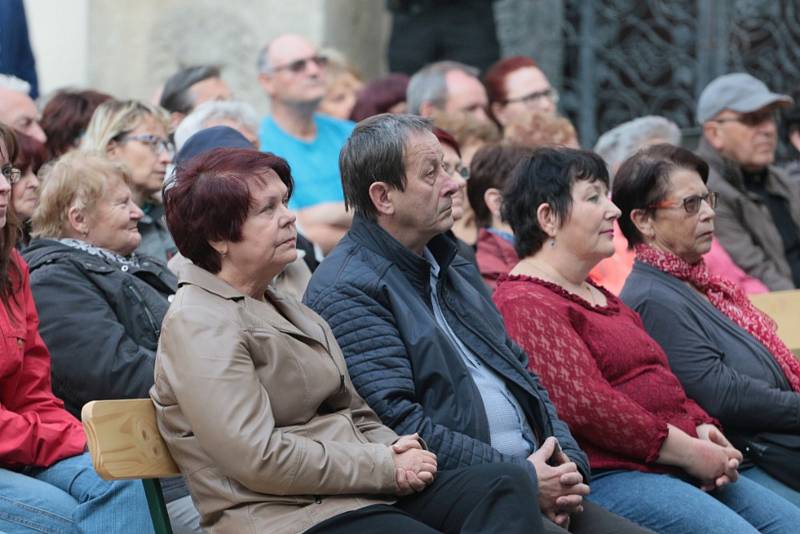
(609, 380)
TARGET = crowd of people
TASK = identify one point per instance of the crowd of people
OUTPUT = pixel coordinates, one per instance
(411, 304)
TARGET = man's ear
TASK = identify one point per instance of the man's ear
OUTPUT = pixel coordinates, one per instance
(427, 109)
(548, 220)
(494, 200)
(380, 193)
(711, 131)
(643, 221)
(267, 83)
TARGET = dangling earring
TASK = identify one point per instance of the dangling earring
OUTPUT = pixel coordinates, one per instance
(552, 242)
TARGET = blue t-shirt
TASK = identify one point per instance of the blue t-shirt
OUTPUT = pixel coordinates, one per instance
(315, 164)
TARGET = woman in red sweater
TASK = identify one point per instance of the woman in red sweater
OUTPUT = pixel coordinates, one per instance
(657, 457)
(47, 483)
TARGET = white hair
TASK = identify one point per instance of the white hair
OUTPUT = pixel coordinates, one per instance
(621, 142)
(236, 111)
(12, 83)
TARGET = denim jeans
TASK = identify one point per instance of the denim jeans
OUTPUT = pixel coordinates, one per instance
(758, 475)
(69, 497)
(670, 505)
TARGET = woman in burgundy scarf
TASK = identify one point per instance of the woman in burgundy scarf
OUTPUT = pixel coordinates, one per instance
(725, 352)
(657, 457)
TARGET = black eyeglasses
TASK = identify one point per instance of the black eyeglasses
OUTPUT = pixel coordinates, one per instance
(457, 168)
(690, 204)
(549, 93)
(753, 119)
(299, 65)
(11, 173)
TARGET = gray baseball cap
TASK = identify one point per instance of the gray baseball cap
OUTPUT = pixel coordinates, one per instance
(738, 92)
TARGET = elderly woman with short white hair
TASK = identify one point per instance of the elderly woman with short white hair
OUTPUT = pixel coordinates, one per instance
(100, 304)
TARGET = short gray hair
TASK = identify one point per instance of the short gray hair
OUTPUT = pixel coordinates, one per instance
(429, 84)
(12, 83)
(375, 152)
(621, 142)
(235, 111)
(177, 96)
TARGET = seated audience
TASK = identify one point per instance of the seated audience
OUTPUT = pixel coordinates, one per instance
(65, 117)
(449, 87)
(470, 134)
(725, 352)
(190, 87)
(517, 85)
(294, 278)
(234, 114)
(758, 211)
(17, 108)
(25, 187)
(384, 95)
(657, 457)
(617, 145)
(100, 305)
(459, 173)
(491, 167)
(135, 134)
(342, 82)
(292, 74)
(291, 447)
(47, 481)
(425, 347)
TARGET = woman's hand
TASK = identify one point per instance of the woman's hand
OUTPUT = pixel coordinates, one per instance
(708, 461)
(414, 468)
(561, 488)
(711, 433)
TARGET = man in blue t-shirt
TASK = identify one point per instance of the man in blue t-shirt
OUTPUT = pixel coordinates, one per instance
(292, 74)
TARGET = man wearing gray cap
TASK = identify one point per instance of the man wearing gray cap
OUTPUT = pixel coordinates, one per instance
(758, 210)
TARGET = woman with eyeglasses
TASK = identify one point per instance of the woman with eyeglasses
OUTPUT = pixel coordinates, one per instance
(136, 134)
(725, 352)
(657, 457)
(517, 85)
(25, 183)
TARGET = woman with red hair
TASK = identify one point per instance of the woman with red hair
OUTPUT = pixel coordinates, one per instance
(517, 85)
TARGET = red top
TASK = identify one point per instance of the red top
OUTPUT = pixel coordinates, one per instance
(609, 380)
(34, 427)
(494, 255)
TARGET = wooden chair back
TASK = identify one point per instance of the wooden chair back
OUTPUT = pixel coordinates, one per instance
(784, 308)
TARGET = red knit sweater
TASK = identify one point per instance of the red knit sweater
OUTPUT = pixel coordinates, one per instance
(609, 380)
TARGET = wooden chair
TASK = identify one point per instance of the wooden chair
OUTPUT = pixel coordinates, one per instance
(124, 443)
(784, 307)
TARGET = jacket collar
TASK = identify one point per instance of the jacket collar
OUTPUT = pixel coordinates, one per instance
(282, 312)
(372, 236)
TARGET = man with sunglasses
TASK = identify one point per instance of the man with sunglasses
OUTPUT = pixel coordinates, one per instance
(758, 210)
(292, 74)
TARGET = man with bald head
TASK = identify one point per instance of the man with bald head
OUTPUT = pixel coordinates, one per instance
(292, 74)
(17, 109)
(449, 87)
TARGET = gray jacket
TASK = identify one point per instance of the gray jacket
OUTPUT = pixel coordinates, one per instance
(744, 225)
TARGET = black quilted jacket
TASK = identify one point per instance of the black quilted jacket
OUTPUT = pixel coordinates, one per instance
(375, 294)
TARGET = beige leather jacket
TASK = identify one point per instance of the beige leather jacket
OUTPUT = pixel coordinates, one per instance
(257, 408)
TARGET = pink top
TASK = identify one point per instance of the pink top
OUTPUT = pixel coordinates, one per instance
(609, 380)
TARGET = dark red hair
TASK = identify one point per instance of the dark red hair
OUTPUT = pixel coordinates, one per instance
(211, 199)
(495, 77)
(378, 96)
(66, 116)
(31, 154)
(446, 139)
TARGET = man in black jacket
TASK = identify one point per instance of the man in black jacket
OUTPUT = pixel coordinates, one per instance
(424, 346)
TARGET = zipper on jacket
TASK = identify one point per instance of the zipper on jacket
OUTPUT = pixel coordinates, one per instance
(148, 314)
(341, 383)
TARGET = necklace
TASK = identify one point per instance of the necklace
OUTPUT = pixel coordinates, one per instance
(583, 290)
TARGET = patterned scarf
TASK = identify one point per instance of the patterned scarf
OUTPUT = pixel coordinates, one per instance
(731, 301)
(106, 254)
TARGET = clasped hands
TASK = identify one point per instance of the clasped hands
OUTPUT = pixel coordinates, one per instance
(561, 486)
(415, 467)
(715, 462)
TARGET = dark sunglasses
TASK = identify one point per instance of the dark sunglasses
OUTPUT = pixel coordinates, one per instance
(752, 119)
(690, 204)
(299, 65)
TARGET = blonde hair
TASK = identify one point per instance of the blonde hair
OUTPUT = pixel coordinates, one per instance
(535, 128)
(77, 179)
(113, 118)
(466, 129)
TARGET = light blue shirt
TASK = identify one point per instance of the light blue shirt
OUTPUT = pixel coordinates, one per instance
(315, 163)
(509, 430)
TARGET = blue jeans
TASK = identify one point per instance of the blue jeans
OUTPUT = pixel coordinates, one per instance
(667, 504)
(69, 497)
(759, 476)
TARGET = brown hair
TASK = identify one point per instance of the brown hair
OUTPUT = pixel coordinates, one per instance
(10, 274)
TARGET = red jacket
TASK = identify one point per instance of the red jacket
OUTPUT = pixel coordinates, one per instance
(495, 256)
(34, 427)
